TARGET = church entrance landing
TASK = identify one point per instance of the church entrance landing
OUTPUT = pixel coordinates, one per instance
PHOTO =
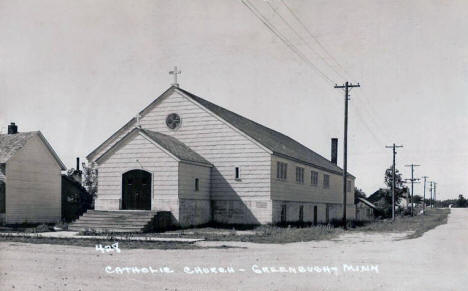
(136, 190)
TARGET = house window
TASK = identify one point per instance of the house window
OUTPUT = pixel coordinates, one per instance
(283, 213)
(348, 186)
(326, 181)
(299, 175)
(301, 213)
(281, 170)
(237, 173)
(197, 184)
(313, 178)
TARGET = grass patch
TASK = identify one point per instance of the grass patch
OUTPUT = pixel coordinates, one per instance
(418, 225)
(260, 234)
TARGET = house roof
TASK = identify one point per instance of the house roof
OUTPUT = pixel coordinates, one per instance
(175, 147)
(367, 202)
(377, 195)
(280, 144)
(10, 144)
(170, 144)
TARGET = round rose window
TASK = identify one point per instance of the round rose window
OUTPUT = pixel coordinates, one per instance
(173, 121)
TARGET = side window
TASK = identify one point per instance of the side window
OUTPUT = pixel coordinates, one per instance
(313, 178)
(326, 181)
(197, 184)
(348, 186)
(301, 213)
(300, 175)
(237, 173)
(283, 213)
(281, 170)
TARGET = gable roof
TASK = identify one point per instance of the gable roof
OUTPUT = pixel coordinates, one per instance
(10, 144)
(175, 147)
(170, 144)
(367, 202)
(378, 195)
(278, 143)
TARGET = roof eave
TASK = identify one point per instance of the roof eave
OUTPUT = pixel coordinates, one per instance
(127, 125)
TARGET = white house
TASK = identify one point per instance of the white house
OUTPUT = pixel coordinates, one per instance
(204, 163)
(30, 178)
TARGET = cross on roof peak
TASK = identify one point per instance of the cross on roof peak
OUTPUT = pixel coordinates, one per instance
(175, 72)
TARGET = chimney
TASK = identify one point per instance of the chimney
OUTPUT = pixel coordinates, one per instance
(334, 150)
(77, 163)
(77, 173)
(12, 128)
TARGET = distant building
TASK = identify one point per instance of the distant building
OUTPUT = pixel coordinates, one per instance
(380, 198)
(75, 199)
(30, 178)
(365, 210)
(204, 163)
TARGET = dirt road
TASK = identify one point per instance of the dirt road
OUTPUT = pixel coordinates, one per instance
(436, 261)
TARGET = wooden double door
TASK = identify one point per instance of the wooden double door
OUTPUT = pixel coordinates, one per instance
(136, 190)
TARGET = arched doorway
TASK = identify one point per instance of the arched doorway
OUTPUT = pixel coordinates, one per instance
(136, 190)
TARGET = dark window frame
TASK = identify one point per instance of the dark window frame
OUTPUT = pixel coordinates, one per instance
(326, 181)
(299, 175)
(197, 184)
(281, 171)
(314, 177)
(237, 174)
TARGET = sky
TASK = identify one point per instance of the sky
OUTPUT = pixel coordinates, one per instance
(78, 70)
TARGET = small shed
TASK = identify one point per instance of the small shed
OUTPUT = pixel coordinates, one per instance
(30, 178)
(365, 210)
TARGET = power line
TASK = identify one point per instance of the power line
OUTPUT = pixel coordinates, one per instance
(291, 46)
(275, 10)
(369, 111)
(313, 37)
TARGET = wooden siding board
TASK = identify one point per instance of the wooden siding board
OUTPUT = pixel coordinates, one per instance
(215, 141)
(289, 190)
(164, 170)
(33, 192)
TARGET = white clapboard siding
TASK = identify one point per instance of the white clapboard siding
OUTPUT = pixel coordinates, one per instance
(290, 190)
(33, 185)
(218, 143)
(163, 168)
(187, 175)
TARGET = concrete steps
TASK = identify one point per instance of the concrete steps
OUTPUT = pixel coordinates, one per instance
(135, 221)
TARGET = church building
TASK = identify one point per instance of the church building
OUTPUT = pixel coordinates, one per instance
(204, 163)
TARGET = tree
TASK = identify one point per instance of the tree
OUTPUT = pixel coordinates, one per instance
(461, 201)
(389, 178)
(359, 193)
(90, 181)
(400, 190)
(417, 199)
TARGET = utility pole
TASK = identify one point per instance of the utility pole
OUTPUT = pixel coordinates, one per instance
(424, 195)
(412, 182)
(394, 147)
(430, 204)
(435, 192)
(347, 86)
